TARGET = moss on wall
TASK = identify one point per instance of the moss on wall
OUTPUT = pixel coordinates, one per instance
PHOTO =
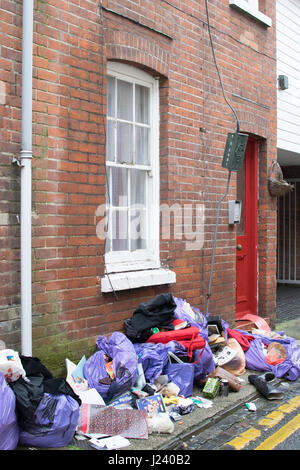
(52, 345)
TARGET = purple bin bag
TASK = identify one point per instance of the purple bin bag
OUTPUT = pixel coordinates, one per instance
(183, 376)
(94, 370)
(198, 320)
(9, 429)
(204, 362)
(54, 424)
(121, 350)
(203, 359)
(255, 358)
(154, 357)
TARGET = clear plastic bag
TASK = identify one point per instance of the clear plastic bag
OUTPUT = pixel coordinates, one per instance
(237, 365)
(276, 354)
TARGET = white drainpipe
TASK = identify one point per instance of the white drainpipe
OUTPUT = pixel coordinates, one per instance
(26, 179)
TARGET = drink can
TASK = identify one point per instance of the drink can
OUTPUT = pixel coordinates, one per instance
(224, 387)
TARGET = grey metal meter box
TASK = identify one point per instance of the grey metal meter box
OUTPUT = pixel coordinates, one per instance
(283, 82)
(234, 212)
(234, 153)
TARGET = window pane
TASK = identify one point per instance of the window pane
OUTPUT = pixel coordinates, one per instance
(111, 96)
(137, 230)
(142, 104)
(125, 100)
(107, 230)
(124, 142)
(110, 141)
(142, 145)
(119, 188)
(107, 244)
(119, 230)
(137, 187)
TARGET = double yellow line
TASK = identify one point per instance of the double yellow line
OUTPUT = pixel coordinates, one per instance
(269, 421)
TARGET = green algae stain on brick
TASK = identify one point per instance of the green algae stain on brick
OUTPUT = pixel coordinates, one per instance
(52, 344)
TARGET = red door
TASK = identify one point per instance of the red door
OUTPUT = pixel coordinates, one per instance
(246, 240)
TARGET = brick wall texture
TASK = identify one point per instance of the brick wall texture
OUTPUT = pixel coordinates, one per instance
(72, 42)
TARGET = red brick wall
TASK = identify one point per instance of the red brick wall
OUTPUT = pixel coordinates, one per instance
(169, 39)
(10, 113)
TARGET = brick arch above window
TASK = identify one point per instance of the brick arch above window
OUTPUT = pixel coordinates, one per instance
(137, 50)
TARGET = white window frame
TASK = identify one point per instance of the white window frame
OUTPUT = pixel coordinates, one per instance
(253, 4)
(125, 270)
(124, 261)
(252, 8)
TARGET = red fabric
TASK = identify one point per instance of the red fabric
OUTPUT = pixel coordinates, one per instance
(184, 334)
(243, 340)
(274, 360)
(188, 337)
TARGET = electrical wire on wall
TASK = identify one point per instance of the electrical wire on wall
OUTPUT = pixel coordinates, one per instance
(208, 295)
(104, 129)
(217, 68)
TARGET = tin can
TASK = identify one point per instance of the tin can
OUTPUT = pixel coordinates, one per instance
(224, 388)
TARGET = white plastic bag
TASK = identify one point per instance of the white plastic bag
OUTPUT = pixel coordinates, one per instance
(160, 423)
(11, 365)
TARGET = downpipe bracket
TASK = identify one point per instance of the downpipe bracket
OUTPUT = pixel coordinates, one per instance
(24, 155)
(16, 161)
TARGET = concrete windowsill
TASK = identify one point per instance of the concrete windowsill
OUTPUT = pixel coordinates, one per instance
(258, 15)
(135, 279)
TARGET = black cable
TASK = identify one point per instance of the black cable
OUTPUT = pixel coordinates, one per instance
(217, 68)
(215, 242)
(187, 13)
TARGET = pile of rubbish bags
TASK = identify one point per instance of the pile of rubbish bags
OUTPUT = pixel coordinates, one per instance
(141, 381)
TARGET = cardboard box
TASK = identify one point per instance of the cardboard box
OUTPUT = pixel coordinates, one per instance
(211, 387)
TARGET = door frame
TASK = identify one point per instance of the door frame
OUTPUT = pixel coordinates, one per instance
(251, 226)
